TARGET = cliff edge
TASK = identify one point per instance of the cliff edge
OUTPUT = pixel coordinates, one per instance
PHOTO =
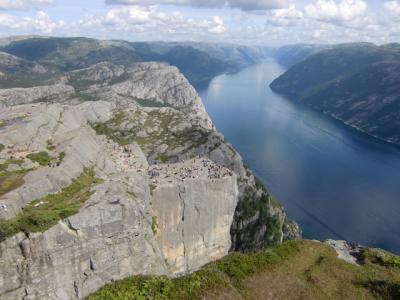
(115, 171)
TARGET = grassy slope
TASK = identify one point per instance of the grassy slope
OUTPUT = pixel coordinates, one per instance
(10, 180)
(294, 270)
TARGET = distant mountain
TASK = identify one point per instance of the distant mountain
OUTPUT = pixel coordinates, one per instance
(68, 54)
(358, 84)
(198, 66)
(199, 62)
(290, 55)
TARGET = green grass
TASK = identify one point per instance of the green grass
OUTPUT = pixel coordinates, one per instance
(44, 213)
(293, 270)
(61, 156)
(381, 257)
(42, 158)
(11, 161)
(229, 271)
(11, 180)
(2, 147)
(111, 129)
(188, 138)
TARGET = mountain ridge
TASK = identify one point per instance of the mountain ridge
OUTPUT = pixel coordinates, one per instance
(355, 83)
(207, 60)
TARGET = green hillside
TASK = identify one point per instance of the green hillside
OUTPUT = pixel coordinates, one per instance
(358, 84)
(294, 270)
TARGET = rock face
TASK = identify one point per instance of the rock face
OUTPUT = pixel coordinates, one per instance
(109, 239)
(190, 230)
(32, 128)
(153, 81)
(123, 229)
(10, 97)
(167, 201)
(346, 251)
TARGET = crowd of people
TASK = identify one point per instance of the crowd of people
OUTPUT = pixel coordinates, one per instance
(198, 167)
(191, 169)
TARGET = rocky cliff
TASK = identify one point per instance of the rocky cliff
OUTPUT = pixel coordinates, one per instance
(115, 171)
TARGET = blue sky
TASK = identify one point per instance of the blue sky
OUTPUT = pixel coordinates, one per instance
(266, 22)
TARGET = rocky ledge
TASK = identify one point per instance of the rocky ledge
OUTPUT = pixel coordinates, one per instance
(133, 181)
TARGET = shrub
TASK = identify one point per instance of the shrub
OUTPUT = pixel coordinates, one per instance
(42, 158)
(381, 257)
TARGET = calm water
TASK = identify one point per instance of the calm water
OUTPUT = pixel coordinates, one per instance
(335, 182)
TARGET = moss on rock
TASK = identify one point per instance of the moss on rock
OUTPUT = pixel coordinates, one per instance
(44, 213)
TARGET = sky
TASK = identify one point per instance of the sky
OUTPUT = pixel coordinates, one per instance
(247, 22)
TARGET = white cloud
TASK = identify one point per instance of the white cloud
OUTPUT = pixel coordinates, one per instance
(241, 4)
(148, 23)
(23, 4)
(219, 26)
(8, 21)
(38, 24)
(329, 10)
(319, 21)
(42, 23)
(130, 15)
(393, 8)
(285, 17)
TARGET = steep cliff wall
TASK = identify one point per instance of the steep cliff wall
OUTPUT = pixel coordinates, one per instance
(125, 227)
(128, 183)
(192, 221)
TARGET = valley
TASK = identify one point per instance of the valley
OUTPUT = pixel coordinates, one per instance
(120, 180)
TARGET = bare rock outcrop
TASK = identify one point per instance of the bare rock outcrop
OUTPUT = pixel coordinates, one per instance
(13, 64)
(16, 96)
(126, 227)
(170, 195)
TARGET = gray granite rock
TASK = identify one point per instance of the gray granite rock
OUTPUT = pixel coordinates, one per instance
(16, 96)
(131, 224)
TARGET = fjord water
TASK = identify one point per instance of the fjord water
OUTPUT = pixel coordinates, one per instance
(335, 182)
